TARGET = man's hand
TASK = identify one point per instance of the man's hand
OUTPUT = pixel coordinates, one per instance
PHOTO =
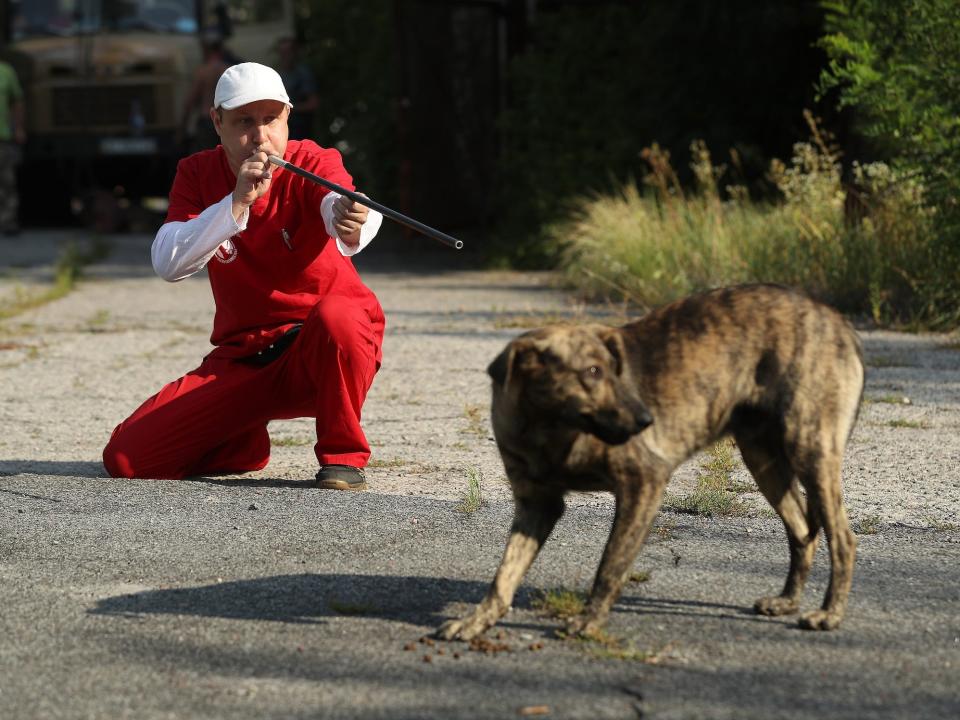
(348, 218)
(253, 181)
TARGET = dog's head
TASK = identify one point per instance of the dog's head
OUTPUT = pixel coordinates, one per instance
(574, 375)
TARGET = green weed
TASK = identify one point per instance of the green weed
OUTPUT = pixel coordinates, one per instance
(559, 602)
(901, 423)
(715, 493)
(472, 499)
(868, 525)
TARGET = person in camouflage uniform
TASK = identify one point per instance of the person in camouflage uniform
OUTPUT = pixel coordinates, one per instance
(12, 137)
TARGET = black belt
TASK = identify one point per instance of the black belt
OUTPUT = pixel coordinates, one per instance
(274, 350)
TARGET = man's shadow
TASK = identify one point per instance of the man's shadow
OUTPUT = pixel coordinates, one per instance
(96, 470)
(57, 468)
(304, 598)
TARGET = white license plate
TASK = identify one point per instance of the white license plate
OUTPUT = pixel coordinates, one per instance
(128, 146)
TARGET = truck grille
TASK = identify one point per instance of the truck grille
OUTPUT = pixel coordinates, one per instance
(78, 107)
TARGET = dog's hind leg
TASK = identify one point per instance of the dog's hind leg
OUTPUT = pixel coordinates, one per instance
(638, 500)
(534, 520)
(771, 469)
(822, 481)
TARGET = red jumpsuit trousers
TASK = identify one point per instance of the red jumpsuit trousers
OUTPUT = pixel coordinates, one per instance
(214, 419)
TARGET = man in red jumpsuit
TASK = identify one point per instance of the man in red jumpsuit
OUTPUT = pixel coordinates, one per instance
(296, 332)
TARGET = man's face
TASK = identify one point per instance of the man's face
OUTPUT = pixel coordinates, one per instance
(260, 124)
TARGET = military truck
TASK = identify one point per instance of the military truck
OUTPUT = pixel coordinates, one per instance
(105, 83)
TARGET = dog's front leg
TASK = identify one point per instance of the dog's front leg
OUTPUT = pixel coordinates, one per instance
(534, 519)
(638, 499)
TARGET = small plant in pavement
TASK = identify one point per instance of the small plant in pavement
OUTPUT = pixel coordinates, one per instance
(472, 499)
(559, 602)
(715, 493)
(868, 525)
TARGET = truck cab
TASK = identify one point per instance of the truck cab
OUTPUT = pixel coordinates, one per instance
(105, 83)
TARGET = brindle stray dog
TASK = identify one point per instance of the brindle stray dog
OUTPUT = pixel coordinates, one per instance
(601, 408)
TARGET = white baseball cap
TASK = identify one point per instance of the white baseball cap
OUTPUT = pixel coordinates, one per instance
(246, 83)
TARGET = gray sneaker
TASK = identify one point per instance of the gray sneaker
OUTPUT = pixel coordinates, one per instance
(341, 477)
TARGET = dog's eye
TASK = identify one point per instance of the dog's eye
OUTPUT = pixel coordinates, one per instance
(594, 372)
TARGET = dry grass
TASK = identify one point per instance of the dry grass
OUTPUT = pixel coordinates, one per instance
(653, 245)
(476, 420)
(292, 441)
(912, 424)
(888, 399)
(387, 463)
(605, 646)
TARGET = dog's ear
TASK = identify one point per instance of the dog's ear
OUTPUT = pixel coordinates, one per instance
(502, 366)
(613, 339)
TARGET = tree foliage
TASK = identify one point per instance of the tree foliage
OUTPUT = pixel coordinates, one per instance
(350, 45)
(897, 64)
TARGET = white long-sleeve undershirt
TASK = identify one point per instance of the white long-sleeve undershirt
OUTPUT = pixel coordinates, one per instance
(182, 248)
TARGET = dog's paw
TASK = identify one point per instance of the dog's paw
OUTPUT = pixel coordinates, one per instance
(776, 605)
(463, 629)
(583, 626)
(820, 620)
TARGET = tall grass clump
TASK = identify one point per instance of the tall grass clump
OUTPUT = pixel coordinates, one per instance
(863, 245)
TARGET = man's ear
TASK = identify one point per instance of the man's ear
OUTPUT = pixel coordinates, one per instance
(502, 366)
(612, 338)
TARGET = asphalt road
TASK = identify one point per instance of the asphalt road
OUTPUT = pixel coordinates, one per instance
(210, 599)
(262, 597)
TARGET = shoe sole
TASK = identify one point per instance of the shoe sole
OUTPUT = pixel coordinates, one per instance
(340, 485)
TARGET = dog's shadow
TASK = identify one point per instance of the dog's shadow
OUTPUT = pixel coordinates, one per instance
(669, 607)
(313, 598)
(305, 598)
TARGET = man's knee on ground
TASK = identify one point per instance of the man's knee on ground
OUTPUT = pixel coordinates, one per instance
(117, 460)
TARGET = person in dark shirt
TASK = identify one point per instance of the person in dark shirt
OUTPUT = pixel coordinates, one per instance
(300, 84)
